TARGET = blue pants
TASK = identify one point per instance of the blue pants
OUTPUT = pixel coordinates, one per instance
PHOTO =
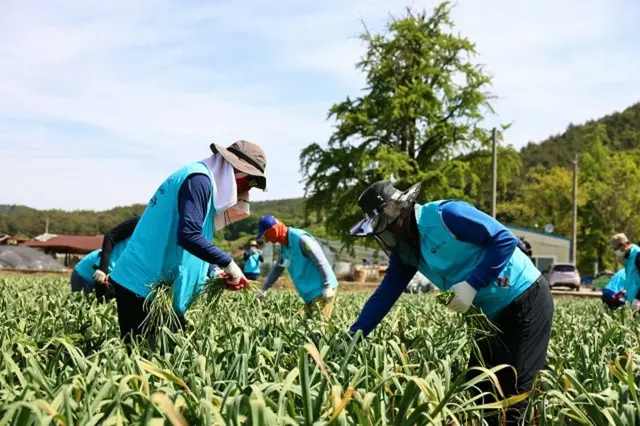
(253, 276)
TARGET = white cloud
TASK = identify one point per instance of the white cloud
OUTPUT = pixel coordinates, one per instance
(106, 98)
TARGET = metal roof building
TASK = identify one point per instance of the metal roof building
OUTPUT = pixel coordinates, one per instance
(71, 244)
(546, 248)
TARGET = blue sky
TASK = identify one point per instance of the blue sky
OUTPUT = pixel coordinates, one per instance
(100, 100)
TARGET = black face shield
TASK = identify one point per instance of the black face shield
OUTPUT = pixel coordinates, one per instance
(382, 204)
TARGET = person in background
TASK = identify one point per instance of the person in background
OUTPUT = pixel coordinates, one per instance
(252, 260)
(613, 294)
(172, 241)
(93, 269)
(308, 267)
(463, 250)
(628, 253)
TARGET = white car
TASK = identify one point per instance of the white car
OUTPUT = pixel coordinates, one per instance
(564, 275)
(419, 284)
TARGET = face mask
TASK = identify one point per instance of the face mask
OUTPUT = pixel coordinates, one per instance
(620, 253)
(277, 234)
(387, 241)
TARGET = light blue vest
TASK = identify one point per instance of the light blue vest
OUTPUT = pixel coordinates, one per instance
(88, 264)
(615, 284)
(304, 273)
(252, 264)
(447, 261)
(153, 252)
(632, 276)
(85, 269)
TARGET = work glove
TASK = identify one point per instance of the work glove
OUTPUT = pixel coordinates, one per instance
(635, 305)
(619, 295)
(328, 293)
(464, 297)
(234, 277)
(260, 295)
(99, 277)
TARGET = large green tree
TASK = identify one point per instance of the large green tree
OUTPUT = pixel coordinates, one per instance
(421, 110)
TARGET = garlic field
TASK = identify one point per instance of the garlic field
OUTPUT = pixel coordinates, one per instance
(62, 363)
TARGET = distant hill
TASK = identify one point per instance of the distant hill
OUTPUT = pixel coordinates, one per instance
(558, 150)
(31, 222)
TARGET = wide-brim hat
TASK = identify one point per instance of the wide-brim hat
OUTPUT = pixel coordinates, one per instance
(246, 157)
(381, 204)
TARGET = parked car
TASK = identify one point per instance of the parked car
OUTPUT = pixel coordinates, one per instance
(564, 275)
(419, 284)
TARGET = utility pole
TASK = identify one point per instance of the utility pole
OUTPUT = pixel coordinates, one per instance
(46, 226)
(574, 222)
(494, 172)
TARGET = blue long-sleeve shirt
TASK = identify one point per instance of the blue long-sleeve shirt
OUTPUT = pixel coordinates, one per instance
(193, 201)
(468, 224)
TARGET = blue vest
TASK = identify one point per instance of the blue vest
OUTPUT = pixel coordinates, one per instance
(447, 261)
(88, 264)
(252, 264)
(153, 252)
(85, 269)
(615, 284)
(304, 273)
(632, 276)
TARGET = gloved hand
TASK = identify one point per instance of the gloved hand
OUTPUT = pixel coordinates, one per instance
(99, 277)
(635, 305)
(260, 295)
(464, 297)
(328, 293)
(619, 295)
(234, 277)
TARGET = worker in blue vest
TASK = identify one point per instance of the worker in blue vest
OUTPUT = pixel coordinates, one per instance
(252, 260)
(92, 270)
(628, 253)
(82, 274)
(461, 249)
(614, 293)
(307, 264)
(173, 240)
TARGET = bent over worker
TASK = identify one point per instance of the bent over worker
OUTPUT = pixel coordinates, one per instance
(93, 269)
(461, 249)
(172, 241)
(614, 293)
(629, 254)
(308, 267)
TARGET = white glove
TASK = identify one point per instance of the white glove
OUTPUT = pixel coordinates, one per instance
(464, 297)
(635, 305)
(260, 295)
(99, 277)
(328, 293)
(235, 273)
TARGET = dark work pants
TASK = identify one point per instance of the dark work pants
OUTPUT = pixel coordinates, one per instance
(131, 314)
(526, 328)
(612, 304)
(253, 276)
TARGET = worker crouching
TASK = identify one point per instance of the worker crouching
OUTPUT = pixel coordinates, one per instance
(306, 263)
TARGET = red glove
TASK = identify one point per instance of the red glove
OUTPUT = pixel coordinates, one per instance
(619, 295)
(234, 287)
